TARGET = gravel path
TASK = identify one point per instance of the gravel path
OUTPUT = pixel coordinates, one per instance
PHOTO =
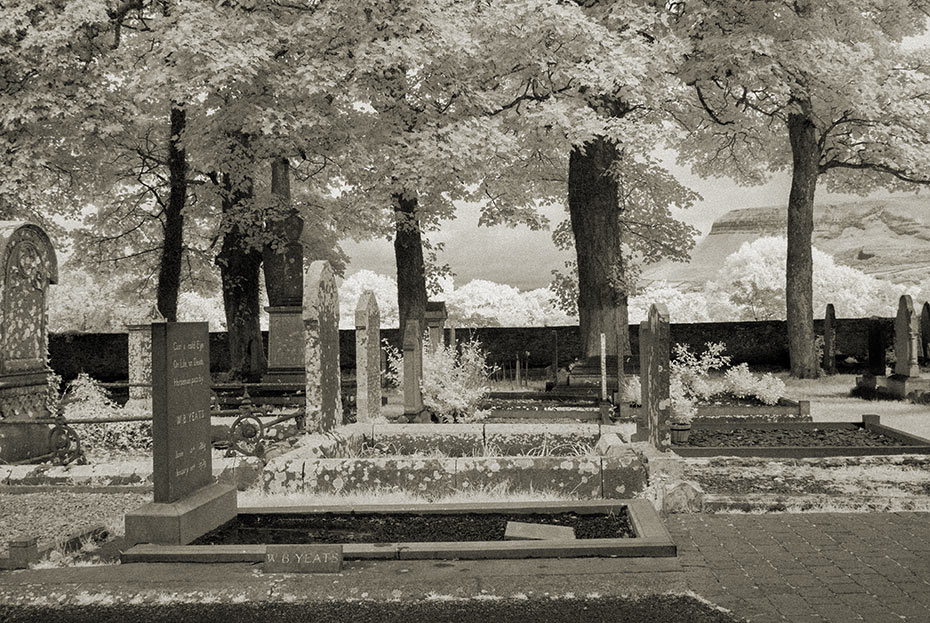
(54, 515)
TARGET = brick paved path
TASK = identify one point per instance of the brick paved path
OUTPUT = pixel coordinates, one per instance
(810, 567)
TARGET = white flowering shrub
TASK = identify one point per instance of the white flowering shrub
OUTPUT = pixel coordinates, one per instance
(86, 399)
(692, 371)
(455, 380)
(683, 408)
(742, 383)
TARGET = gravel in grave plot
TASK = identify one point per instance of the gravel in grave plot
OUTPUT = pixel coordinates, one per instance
(403, 528)
(902, 475)
(833, 437)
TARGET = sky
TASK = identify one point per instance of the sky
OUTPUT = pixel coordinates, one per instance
(525, 259)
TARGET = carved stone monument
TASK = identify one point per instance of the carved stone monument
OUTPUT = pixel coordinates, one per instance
(435, 317)
(283, 267)
(140, 362)
(413, 372)
(367, 357)
(906, 377)
(321, 348)
(829, 340)
(655, 369)
(187, 502)
(29, 265)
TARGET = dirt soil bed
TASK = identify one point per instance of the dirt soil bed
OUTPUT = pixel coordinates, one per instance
(834, 437)
(403, 528)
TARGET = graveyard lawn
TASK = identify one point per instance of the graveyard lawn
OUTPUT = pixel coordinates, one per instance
(898, 482)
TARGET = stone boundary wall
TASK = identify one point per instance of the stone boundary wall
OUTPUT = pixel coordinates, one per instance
(764, 343)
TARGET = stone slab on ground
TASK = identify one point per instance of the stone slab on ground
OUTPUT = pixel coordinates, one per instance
(523, 531)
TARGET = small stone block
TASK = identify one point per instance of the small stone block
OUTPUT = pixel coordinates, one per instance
(303, 558)
(179, 523)
(522, 531)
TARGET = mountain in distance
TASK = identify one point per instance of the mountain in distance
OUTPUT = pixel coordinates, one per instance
(886, 238)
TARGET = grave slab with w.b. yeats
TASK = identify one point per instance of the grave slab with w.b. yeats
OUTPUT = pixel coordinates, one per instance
(187, 501)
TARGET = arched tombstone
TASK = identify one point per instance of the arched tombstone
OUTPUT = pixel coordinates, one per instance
(925, 331)
(28, 266)
(367, 357)
(321, 348)
(906, 340)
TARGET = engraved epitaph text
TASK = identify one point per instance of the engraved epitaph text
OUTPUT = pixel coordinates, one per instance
(181, 409)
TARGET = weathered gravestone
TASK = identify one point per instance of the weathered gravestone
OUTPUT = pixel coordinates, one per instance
(925, 331)
(187, 503)
(906, 341)
(27, 267)
(283, 270)
(829, 340)
(654, 362)
(140, 361)
(367, 357)
(413, 372)
(435, 317)
(321, 344)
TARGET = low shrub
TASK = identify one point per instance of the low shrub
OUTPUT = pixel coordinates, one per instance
(455, 379)
(85, 399)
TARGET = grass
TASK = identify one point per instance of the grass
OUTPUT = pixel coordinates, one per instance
(500, 492)
(831, 402)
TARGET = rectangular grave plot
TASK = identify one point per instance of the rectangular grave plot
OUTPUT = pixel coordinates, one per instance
(182, 459)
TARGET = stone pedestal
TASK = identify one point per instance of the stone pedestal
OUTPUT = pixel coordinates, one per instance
(180, 522)
(285, 345)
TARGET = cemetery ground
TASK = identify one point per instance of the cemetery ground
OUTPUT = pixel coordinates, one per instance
(780, 539)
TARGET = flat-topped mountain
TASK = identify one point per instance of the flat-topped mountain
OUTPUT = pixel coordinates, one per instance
(886, 238)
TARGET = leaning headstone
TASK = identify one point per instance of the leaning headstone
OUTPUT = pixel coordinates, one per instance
(829, 340)
(877, 359)
(27, 267)
(321, 348)
(187, 503)
(413, 371)
(655, 357)
(140, 361)
(925, 331)
(906, 328)
(367, 357)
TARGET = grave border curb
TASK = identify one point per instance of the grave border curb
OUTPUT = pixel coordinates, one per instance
(653, 539)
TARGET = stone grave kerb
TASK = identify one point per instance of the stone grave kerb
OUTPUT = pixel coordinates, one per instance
(29, 267)
(367, 357)
(906, 339)
(140, 360)
(321, 348)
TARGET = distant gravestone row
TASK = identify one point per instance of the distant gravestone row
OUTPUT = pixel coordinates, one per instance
(910, 346)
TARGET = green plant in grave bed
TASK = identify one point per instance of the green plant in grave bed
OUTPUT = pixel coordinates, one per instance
(85, 398)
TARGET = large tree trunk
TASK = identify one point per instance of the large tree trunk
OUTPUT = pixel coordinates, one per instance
(408, 253)
(283, 257)
(799, 289)
(169, 270)
(594, 210)
(239, 272)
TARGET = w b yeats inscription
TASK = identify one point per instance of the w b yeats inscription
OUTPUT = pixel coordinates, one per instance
(182, 459)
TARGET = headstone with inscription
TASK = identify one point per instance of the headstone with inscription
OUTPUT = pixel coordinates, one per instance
(28, 266)
(140, 361)
(367, 357)
(321, 348)
(187, 503)
(829, 340)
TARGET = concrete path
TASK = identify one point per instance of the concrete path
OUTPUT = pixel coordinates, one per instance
(777, 567)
